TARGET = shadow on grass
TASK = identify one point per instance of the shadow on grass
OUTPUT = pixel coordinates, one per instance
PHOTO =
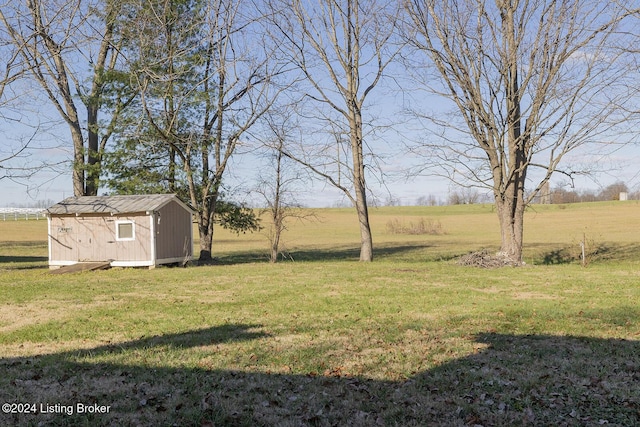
(511, 380)
(417, 251)
(21, 262)
(201, 337)
(22, 259)
(549, 254)
(17, 260)
(618, 252)
(558, 256)
(321, 255)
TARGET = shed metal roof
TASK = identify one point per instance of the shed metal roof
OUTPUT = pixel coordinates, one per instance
(112, 204)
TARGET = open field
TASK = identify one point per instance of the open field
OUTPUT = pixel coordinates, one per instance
(410, 339)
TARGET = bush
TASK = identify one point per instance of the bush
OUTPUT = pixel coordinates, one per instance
(422, 226)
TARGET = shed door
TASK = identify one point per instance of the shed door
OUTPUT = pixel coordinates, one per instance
(94, 239)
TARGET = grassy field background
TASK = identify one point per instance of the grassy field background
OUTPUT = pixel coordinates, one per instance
(321, 339)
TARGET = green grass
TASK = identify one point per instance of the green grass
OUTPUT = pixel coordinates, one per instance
(410, 339)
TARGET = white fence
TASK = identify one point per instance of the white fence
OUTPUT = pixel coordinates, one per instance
(15, 214)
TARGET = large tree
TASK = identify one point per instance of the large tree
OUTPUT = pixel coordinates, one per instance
(204, 78)
(530, 81)
(342, 49)
(70, 50)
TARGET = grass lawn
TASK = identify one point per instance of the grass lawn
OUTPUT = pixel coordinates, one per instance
(410, 339)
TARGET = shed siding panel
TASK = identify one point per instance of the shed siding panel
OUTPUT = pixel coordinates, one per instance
(138, 249)
(173, 239)
(93, 238)
(63, 239)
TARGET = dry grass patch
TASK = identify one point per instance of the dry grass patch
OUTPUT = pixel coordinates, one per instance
(18, 316)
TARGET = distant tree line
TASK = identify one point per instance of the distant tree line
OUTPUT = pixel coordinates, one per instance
(556, 195)
(559, 195)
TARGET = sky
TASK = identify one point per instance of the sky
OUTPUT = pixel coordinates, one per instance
(51, 145)
(53, 185)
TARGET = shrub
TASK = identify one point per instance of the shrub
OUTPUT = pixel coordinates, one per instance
(422, 226)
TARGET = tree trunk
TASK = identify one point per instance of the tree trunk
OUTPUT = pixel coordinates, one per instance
(511, 216)
(276, 211)
(366, 239)
(172, 170)
(354, 107)
(93, 103)
(78, 161)
(205, 227)
(93, 156)
(275, 244)
(206, 242)
(510, 204)
(205, 230)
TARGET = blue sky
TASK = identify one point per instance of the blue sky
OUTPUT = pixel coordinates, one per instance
(55, 184)
(52, 146)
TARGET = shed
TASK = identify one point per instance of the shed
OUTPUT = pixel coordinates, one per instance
(128, 231)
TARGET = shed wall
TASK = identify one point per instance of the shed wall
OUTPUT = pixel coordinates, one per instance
(173, 232)
(93, 238)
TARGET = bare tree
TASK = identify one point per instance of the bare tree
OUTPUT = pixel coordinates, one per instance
(342, 48)
(58, 42)
(278, 185)
(531, 81)
(204, 80)
(276, 206)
